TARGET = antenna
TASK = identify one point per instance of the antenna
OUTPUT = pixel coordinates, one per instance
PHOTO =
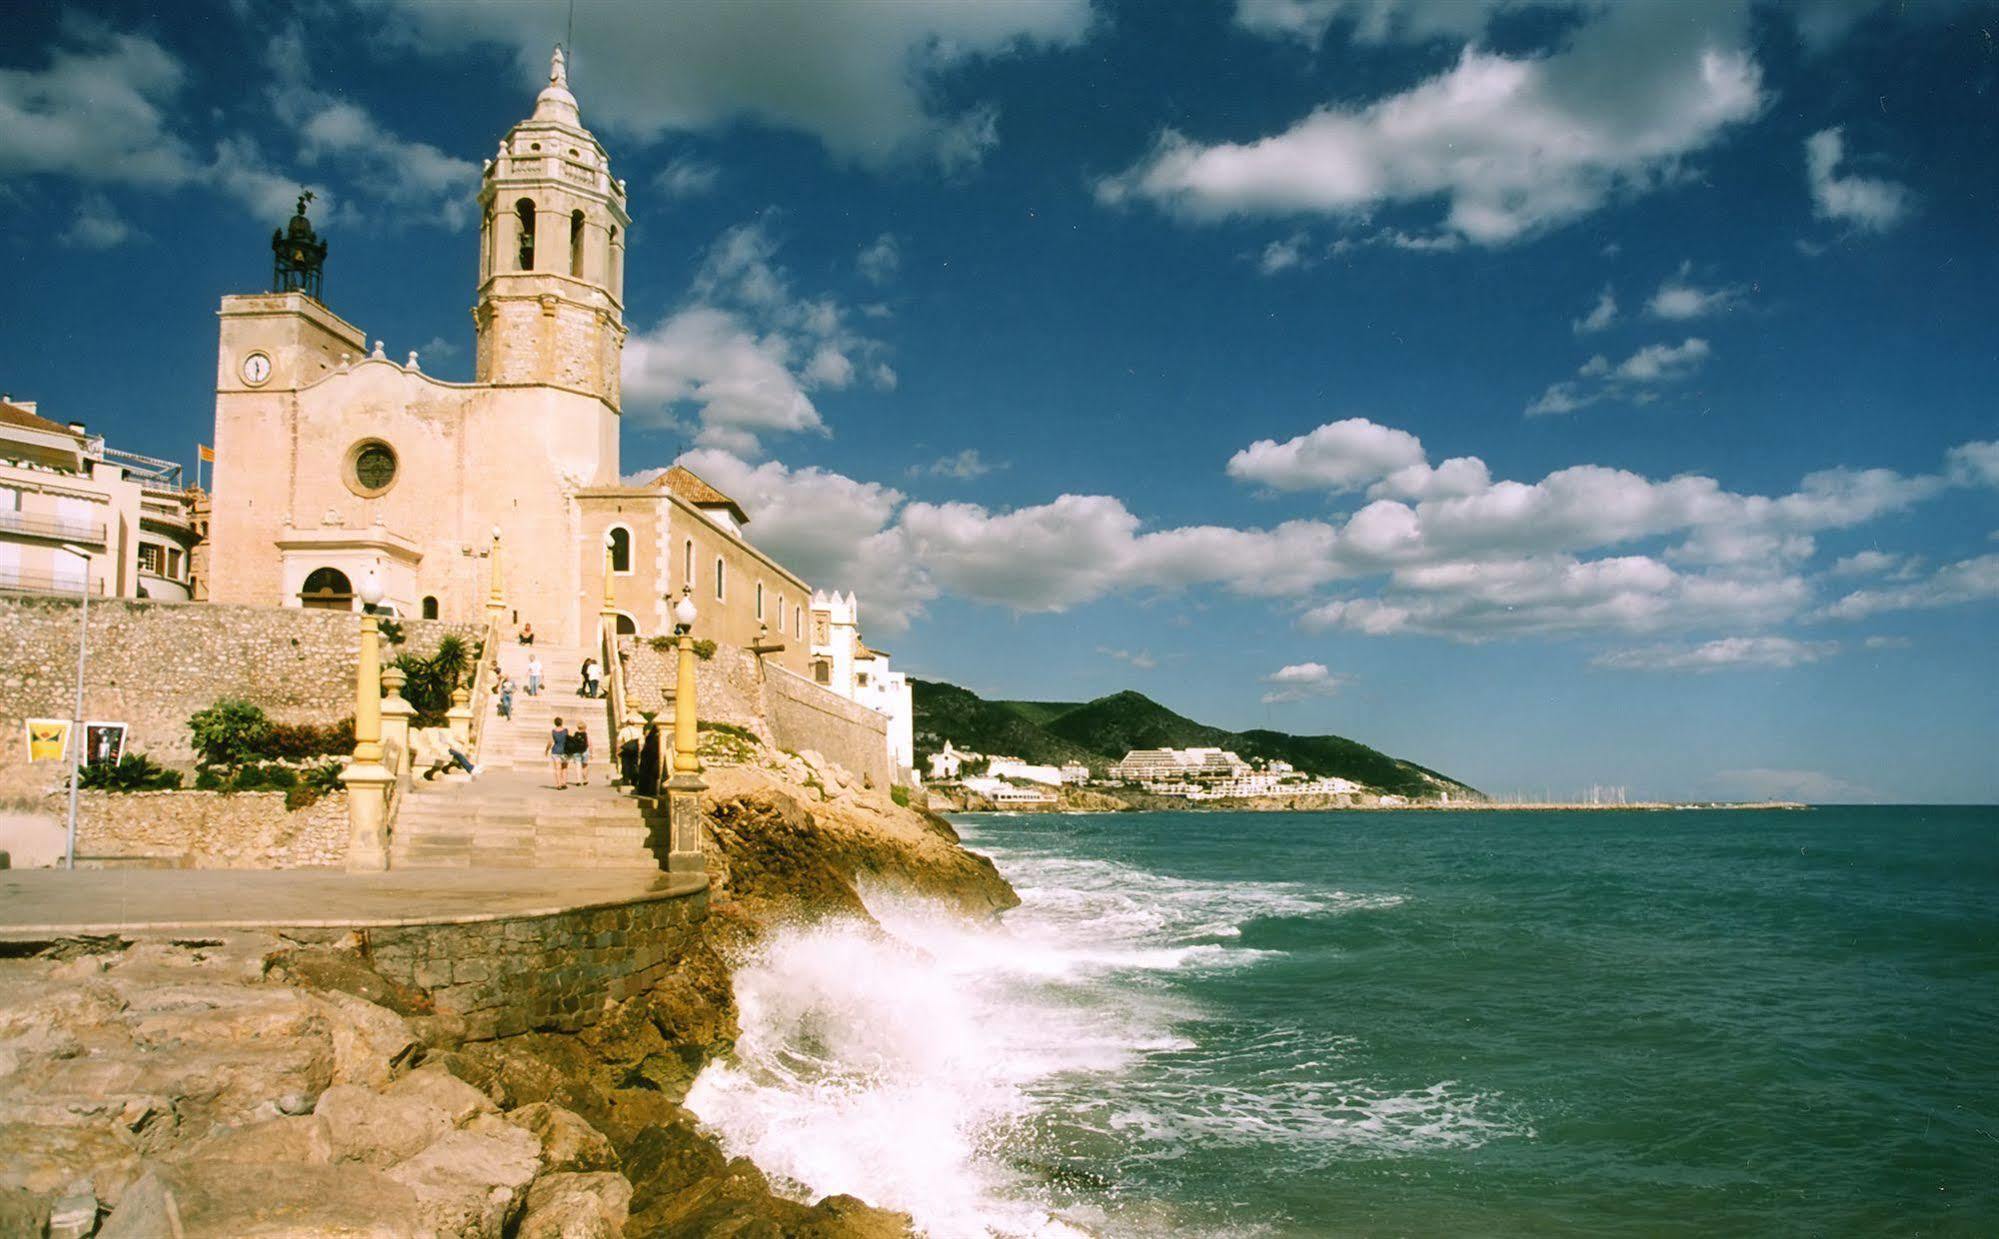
(569, 33)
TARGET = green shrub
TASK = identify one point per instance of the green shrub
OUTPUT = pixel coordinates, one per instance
(899, 794)
(391, 630)
(727, 729)
(299, 741)
(230, 733)
(134, 772)
(704, 649)
(208, 779)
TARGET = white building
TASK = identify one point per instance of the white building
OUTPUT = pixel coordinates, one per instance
(1179, 765)
(1006, 794)
(946, 764)
(842, 662)
(1075, 772)
(1014, 768)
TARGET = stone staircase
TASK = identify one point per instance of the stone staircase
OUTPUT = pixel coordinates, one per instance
(512, 816)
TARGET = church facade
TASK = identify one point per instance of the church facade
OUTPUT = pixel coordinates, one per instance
(333, 459)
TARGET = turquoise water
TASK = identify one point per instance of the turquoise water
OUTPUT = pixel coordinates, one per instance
(1522, 1023)
(1642, 1024)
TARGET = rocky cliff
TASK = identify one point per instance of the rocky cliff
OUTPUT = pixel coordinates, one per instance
(250, 1085)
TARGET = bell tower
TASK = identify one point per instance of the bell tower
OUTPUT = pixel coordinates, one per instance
(552, 254)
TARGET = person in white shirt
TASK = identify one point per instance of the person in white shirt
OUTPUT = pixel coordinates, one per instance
(534, 675)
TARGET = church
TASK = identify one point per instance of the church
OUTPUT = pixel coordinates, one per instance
(334, 459)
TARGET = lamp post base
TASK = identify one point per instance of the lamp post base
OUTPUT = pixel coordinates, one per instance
(684, 824)
(368, 786)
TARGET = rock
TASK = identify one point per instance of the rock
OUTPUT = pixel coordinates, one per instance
(45, 1158)
(567, 1142)
(376, 1128)
(576, 1206)
(297, 1102)
(850, 1217)
(22, 1212)
(434, 1083)
(223, 1200)
(305, 1140)
(74, 1213)
(321, 968)
(471, 1182)
(371, 1044)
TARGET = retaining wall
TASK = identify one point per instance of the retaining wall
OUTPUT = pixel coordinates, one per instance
(152, 664)
(207, 830)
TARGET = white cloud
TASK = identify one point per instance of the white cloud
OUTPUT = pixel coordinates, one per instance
(746, 352)
(1599, 379)
(1679, 299)
(1867, 203)
(880, 259)
(1373, 21)
(686, 177)
(1512, 145)
(1141, 660)
(1807, 786)
(1724, 654)
(1975, 464)
(1968, 580)
(100, 112)
(1284, 255)
(964, 466)
(860, 76)
(1299, 681)
(1601, 315)
(96, 225)
(1866, 563)
(1338, 456)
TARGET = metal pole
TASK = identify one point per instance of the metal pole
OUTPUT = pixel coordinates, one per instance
(76, 724)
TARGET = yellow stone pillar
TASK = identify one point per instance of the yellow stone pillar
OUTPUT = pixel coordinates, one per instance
(683, 790)
(366, 779)
(496, 602)
(396, 715)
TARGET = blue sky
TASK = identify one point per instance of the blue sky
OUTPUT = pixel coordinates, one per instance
(1554, 394)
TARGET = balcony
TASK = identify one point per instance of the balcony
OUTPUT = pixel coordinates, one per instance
(52, 528)
(45, 582)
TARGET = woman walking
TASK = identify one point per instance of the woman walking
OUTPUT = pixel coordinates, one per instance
(558, 753)
(534, 675)
(579, 752)
(506, 698)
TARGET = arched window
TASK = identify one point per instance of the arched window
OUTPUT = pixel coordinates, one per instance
(327, 589)
(524, 211)
(486, 243)
(621, 549)
(798, 623)
(760, 600)
(822, 671)
(627, 626)
(430, 606)
(720, 596)
(612, 280)
(576, 244)
(687, 569)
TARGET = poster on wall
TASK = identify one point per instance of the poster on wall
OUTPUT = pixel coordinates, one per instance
(103, 743)
(48, 739)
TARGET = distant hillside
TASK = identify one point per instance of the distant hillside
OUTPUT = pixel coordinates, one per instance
(1100, 732)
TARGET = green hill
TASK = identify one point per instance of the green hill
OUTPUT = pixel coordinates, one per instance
(1100, 732)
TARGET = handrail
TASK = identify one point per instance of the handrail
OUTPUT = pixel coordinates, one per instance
(485, 681)
(614, 688)
(92, 532)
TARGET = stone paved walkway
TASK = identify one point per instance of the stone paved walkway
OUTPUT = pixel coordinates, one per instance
(39, 902)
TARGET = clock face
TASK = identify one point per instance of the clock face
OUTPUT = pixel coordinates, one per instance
(256, 368)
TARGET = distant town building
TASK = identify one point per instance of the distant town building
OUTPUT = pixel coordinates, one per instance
(1007, 794)
(1179, 765)
(1014, 768)
(1075, 772)
(843, 662)
(1217, 774)
(945, 765)
(76, 514)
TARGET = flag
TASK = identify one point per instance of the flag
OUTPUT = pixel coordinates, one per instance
(206, 452)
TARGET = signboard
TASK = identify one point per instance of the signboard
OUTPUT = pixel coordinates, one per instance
(103, 743)
(48, 739)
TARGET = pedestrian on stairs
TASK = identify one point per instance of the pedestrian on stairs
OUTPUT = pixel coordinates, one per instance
(506, 698)
(534, 675)
(579, 752)
(590, 677)
(527, 634)
(558, 753)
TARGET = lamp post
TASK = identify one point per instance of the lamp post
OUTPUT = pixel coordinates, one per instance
(496, 602)
(366, 778)
(683, 790)
(76, 723)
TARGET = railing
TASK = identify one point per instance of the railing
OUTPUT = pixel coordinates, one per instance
(52, 527)
(485, 681)
(614, 688)
(46, 583)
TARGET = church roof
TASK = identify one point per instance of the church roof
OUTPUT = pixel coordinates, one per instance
(689, 486)
(20, 419)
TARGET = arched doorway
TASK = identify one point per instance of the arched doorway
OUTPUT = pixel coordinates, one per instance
(430, 606)
(627, 627)
(327, 589)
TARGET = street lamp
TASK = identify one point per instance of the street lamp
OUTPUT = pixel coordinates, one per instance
(76, 724)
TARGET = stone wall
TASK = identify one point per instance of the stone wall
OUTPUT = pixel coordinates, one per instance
(541, 974)
(207, 830)
(786, 711)
(152, 664)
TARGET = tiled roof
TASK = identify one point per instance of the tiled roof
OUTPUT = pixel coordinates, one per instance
(11, 415)
(689, 486)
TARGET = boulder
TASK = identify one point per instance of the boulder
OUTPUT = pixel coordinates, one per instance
(434, 1083)
(371, 1045)
(304, 1140)
(567, 1142)
(576, 1206)
(233, 1200)
(22, 1212)
(472, 1182)
(850, 1217)
(378, 1129)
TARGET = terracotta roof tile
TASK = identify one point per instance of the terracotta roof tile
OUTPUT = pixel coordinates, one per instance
(690, 487)
(11, 415)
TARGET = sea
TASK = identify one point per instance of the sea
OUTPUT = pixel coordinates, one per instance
(1402, 1023)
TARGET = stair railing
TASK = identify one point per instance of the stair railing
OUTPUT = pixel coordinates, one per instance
(614, 689)
(485, 683)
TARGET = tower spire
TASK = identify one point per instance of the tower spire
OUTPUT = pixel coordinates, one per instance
(558, 69)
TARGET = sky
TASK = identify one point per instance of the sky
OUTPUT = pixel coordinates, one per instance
(1553, 394)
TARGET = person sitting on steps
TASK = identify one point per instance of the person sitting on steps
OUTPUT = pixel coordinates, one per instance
(527, 634)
